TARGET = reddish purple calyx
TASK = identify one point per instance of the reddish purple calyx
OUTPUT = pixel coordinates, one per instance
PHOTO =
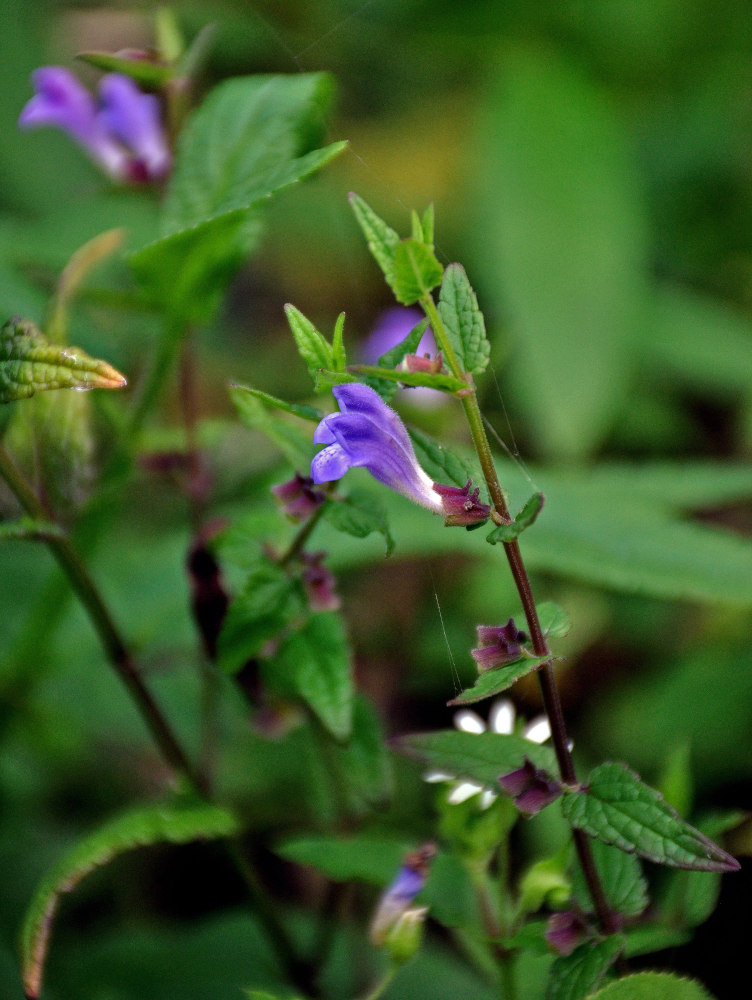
(461, 507)
(531, 788)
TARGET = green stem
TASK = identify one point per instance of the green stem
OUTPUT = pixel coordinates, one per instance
(546, 677)
(381, 985)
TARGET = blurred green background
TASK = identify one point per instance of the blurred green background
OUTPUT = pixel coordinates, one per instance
(591, 166)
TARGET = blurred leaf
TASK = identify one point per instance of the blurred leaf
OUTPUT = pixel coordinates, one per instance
(301, 410)
(576, 976)
(361, 857)
(152, 75)
(498, 679)
(29, 363)
(463, 320)
(561, 245)
(653, 986)
(253, 408)
(619, 809)
(265, 605)
(260, 131)
(358, 515)
(526, 517)
(546, 881)
(364, 762)
(480, 757)
(314, 665)
(416, 271)
(621, 877)
(645, 938)
(27, 528)
(82, 262)
(449, 893)
(137, 828)
(312, 346)
(382, 239)
(554, 620)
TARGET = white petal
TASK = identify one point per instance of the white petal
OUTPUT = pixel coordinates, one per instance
(435, 776)
(487, 798)
(469, 722)
(465, 790)
(537, 731)
(501, 716)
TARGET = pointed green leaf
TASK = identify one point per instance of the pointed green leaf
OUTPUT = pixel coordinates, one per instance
(301, 410)
(314, 665)
(362, 857)
(416, 271)
(137, 828)
(619, 809)
(463, 320)
(392, 359)
(440, 381)
(526, 517)
(312, 346)
(258, 613)
(258, 411)
(575, 976)
(441, 464)
(339, 355)
(653, 986)
(29, 363)
(480, 757)
(382, 239)
(146, 73)
(28, 529)
(493, 682)
(554, 620)
(358, 515)
(427, 225)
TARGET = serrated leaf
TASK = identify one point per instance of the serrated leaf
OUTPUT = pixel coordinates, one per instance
(137, 828)
(260, 131)
(252, 407)
(29, 529)
(358, 515)
(262, 609)
(480, 757)
(526, 517)
(463, 320)
(575, 976)
(314, 665)
(554, 620)
(621, 877)
(416, 271)
(441, 464)
(493, 682)
(618, 808)
(445, 383)
(392, 359)
(362, 857)
(653, 986)
(29, 363)
(312, 346)
(382, 239)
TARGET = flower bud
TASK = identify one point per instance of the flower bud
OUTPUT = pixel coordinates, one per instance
(530, 787)
(499, 644)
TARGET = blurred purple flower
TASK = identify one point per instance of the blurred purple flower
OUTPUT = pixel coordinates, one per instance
(366, 432)
(121, 130)
(297, 497)
(565, 931)
(397, 898)
(391, 328)
(320, 583)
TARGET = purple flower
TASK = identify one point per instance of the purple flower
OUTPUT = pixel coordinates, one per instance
(121, 131)
(391, 328)
(498, 644)
(366, 432)
(397, 898)
(319, 583)
(565, 931)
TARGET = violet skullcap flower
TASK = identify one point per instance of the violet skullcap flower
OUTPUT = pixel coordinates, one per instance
(121, 131)
(398, 897)
(368, 433)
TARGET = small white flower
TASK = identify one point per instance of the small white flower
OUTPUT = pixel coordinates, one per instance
(501, 719)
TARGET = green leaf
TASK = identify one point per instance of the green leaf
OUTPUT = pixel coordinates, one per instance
(260, 132)
(364, 762)
(253, 409)
(146, 73)
(358, 515)
(137, 828)
(575, 976)
(493, 682)
(621, 877)
(463, 320)
(314, 664)
(653, 986)
(29, 363)
(392, 359)
(526, 517)
(382, 239)
(564, 249)
(446, 383)
(312, 346)
(361, 857)
(416, 271)
(29, 529)
(441, 464)
(480, 757)
(554, 620)
(262, 609)
(339, 355)
(619, 809)
(449, 893)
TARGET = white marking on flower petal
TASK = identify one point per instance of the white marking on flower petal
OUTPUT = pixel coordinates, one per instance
(465, 790)
(469, 722)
